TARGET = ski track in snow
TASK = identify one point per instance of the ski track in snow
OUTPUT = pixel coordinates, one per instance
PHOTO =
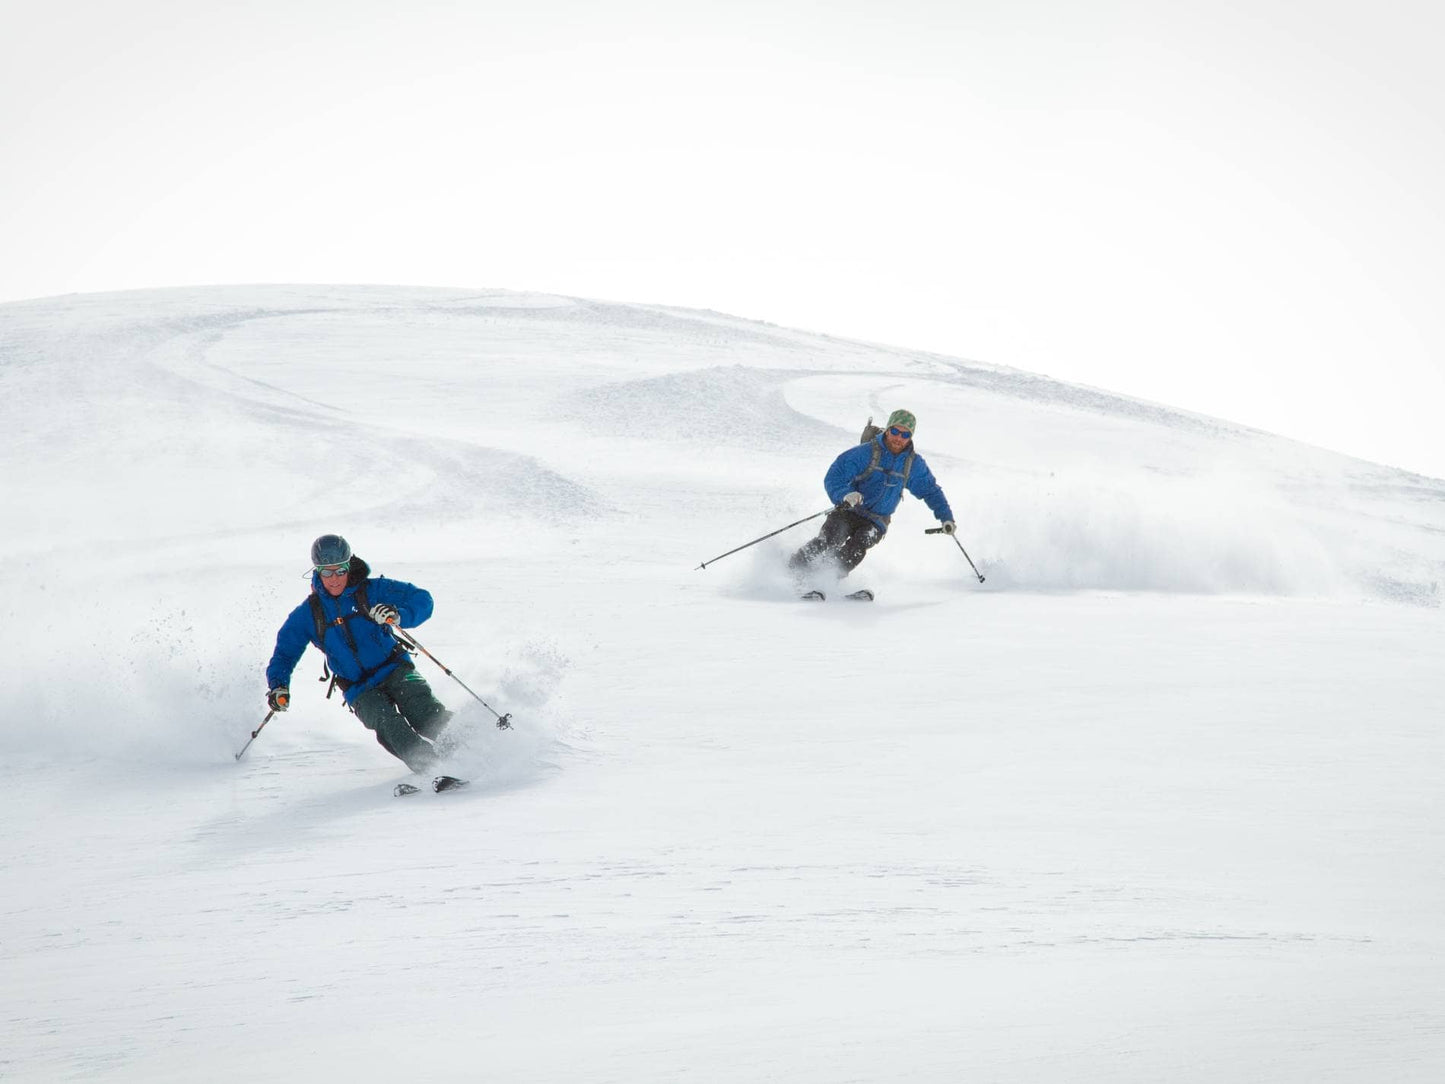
(1155, 801)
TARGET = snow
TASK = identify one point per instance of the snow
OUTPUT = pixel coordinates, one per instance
(1158, 800)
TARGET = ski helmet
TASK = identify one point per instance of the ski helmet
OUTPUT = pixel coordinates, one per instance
(330, 549)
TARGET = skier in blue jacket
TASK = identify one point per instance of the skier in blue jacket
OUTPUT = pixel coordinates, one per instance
(866, 483)
(349, 616)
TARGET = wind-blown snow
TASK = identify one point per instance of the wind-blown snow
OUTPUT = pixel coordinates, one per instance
(1157, 801)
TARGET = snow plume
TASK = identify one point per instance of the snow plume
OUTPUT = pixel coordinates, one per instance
(763, 573)
(528, 689)
(116, 669)
(1195, 535)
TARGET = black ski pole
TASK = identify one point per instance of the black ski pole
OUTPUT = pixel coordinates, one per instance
(765, 537)
(254, 733)
(504, 722)
(956, 542)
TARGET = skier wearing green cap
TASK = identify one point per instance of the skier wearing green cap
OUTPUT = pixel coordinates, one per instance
(866, 483)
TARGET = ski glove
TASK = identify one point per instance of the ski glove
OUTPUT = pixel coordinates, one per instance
(949, 526)
(384, 613)
(853, 500)
(279, 698)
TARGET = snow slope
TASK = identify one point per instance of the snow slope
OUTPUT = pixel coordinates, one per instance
(1156, 801)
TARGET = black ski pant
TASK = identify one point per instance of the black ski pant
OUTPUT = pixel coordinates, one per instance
(844, 537)
(405, 715)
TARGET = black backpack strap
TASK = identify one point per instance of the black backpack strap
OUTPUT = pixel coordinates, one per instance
(318, 638)
(319, 616)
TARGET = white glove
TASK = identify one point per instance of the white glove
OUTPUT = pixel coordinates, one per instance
(853, 500)
(384, 613)
(949, 526)
(279, 698)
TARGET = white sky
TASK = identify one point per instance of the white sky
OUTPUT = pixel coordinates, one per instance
(1230, 207)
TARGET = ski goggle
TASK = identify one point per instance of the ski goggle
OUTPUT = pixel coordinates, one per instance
(894, 431)
(333, 571)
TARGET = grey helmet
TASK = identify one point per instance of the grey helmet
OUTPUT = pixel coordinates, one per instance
(330, 549)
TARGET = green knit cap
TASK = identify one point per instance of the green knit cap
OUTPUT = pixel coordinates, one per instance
(903, 419)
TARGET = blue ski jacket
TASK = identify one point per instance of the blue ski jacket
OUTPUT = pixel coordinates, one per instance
(882, 489)
(360, 652)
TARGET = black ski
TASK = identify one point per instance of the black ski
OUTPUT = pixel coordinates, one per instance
(439, 784)
(861, 595)
(813, 596)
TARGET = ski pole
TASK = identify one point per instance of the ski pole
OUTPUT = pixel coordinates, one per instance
(254, 733)
(956, 542)
(755, 541)
(504, 722)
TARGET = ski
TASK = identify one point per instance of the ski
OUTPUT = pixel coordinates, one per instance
(439, 784)
(863, 594)
(813, 596)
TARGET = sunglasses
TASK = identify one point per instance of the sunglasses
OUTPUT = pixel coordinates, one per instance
(332, 573)
(894, 431)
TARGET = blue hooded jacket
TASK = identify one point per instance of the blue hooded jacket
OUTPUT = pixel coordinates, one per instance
(374, 644)
(883, 489)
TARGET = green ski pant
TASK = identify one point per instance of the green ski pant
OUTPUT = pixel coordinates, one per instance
(405, 715)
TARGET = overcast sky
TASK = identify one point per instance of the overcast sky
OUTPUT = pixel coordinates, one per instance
(1230, 207)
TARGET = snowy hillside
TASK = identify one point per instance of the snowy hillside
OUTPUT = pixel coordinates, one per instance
(1157, 801)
